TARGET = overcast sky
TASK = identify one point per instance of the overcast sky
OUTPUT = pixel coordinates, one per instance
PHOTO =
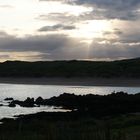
(35, 30)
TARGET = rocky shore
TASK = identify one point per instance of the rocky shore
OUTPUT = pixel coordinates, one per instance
(97, 105)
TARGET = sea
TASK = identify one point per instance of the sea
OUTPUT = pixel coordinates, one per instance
(22, 91)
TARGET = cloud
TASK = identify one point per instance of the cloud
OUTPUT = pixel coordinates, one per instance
(125, 45)
(60, 47)
(48, 46)
(110, 9)
(108, 51)
(6, 6)
(119, 9)
(119, 4)
(114, 32)
(56, 27)
(63, 1)
(57, 17)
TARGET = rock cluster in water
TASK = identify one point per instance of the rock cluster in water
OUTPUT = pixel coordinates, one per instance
(29, 102)
(114, 103)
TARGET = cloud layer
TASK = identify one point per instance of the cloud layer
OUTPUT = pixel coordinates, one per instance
(59, 47)
(57, 27)
(70, 29)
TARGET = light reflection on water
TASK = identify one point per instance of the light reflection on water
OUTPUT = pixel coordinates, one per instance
(22, 91)
(8, 112)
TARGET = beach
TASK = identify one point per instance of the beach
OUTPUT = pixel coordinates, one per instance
(121, 82)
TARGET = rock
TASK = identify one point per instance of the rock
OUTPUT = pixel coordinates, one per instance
(17, 102)
(29, 102)
(12, 105)
(39, 101)
(8, 99)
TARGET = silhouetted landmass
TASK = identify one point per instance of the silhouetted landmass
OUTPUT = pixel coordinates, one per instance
(97, 105)
(124, 68)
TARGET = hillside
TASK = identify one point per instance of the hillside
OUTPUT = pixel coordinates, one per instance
(123, 68)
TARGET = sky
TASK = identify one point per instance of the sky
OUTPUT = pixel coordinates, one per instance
(44, 30)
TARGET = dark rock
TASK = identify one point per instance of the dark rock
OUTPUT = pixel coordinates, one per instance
(8, 99)
(29, 102)
(12, 105)
(39, 101)
(17, 102)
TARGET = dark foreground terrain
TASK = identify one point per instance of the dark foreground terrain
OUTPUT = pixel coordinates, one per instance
(71, 126)
(93, 117)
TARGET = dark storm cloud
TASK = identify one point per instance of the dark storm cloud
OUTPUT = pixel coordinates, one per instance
(56, 27)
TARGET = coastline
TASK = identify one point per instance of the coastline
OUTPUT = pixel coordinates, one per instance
(121, 82)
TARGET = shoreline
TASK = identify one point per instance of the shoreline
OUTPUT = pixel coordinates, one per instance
(117, 82)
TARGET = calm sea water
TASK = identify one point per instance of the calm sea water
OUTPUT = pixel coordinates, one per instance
(22, 91)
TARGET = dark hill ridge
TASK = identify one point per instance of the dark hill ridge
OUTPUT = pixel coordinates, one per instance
(124, 68)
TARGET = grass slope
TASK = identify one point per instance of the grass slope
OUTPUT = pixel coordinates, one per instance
(60, 126)
(123, 68)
